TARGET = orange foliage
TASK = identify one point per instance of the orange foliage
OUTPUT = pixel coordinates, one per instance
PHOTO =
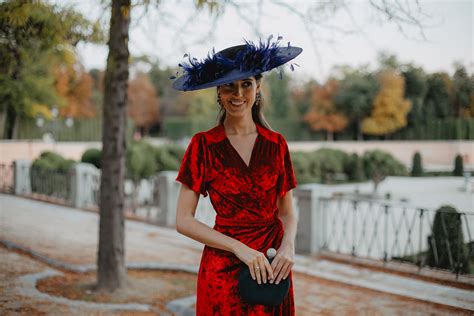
(74, 86)
(143, 106)
(322, 115)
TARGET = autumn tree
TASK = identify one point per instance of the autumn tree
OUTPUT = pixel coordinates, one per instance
(143, 106)
(323, 115)
(390, 108)
(74, 85)
(35, 36)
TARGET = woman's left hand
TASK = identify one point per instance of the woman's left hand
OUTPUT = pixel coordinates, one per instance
(283, 262)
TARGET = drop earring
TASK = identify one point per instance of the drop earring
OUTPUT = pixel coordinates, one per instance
(258, 97)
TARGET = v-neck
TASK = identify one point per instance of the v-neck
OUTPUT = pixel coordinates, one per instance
(252, 154)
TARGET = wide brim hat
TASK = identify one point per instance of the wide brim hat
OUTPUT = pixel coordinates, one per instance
(234, 63)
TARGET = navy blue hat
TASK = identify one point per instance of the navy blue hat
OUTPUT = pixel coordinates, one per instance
(234, 63)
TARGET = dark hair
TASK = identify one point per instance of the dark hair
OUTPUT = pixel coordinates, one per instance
(257, 111)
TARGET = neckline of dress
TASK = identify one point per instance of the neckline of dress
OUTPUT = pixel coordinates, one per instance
(252, 154)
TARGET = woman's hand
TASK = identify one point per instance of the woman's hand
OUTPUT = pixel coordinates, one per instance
(283, 262)
(260, 268)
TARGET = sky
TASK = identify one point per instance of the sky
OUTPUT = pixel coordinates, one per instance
(165, 35)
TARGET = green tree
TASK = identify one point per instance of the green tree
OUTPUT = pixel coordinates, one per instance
(355, 96)
(415, 90)
(35, 35)
(279, 94)
(464, 92)
(437, 99)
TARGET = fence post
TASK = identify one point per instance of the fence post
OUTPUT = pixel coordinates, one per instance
(167, 198)
(310, 235)
(84, 179)
(21, 177)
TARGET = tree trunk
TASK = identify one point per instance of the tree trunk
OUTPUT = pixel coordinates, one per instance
(111, 272)
(359, 131)
(330, 136)
(11, 121)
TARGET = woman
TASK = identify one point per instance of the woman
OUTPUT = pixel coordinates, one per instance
(246, 170)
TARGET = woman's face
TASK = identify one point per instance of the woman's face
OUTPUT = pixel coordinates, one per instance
(238, 97)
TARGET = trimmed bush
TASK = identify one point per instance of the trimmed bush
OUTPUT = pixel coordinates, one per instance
(379, 164)
(458, 166)
(92, 156)
(417, 168)
(354, 168)
(49, 175)
(140, 161)
(330, 161)
(446, 244)
(168, 157)
(304, 167)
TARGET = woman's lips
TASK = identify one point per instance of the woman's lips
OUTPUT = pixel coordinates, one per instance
(237, 103)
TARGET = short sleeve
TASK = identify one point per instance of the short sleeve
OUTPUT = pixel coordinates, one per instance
(193, 166)
(286, 179)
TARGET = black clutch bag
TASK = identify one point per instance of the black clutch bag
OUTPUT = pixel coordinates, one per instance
(269, 294)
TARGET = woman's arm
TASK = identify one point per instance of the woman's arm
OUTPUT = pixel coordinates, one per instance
(187, 225)
(284, 260)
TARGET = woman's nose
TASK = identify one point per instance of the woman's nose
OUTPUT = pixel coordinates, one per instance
(238, 90)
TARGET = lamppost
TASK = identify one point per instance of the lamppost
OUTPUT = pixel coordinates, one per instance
(53, 125)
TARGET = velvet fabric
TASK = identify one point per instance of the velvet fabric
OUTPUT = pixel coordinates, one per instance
(244, 198)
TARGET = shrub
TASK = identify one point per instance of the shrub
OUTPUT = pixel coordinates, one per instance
(379, 164)
(302, 166)
(448, 241)
(168, 157)
(458, 166)
(92, 156)
(417, 168)
(49, 175)
(354, 168)
(330, 162)
(140, 161)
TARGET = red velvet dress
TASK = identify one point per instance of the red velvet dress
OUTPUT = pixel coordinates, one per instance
(244, 198)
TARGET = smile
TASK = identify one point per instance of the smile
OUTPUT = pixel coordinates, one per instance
(237, 103)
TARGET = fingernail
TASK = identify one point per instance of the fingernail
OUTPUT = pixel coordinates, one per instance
(271, 281)
(277, 282)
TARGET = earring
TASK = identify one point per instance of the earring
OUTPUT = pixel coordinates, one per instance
(258, 98)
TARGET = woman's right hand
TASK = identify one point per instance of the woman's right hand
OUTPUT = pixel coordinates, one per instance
(260, 268)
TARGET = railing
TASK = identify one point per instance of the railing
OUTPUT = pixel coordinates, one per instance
(50, 184)
(78, 187)
(6, 178)
(399, 232)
